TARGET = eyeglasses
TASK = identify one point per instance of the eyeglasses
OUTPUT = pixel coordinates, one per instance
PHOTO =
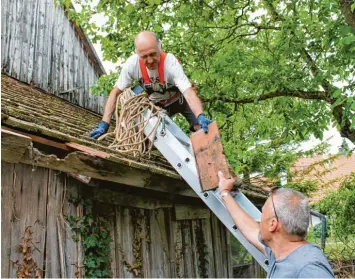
(273, 189)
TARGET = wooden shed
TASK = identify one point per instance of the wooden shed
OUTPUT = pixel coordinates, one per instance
(55, 178)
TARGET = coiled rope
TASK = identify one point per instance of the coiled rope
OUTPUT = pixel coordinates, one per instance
(129, 135)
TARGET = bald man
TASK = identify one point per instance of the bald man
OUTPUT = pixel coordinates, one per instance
(164, 81)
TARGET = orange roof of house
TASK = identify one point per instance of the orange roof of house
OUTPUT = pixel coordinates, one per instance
(328, 172)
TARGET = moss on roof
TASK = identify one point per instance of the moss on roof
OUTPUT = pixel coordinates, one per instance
(39, 113)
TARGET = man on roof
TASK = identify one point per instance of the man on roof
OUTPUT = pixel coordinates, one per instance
(162, 77)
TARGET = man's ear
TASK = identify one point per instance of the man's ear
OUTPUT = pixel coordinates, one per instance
(273, 225)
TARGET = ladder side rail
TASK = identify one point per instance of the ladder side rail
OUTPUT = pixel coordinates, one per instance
(184, 163)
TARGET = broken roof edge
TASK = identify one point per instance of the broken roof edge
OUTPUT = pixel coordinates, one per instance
(38, 129)
(19, 148)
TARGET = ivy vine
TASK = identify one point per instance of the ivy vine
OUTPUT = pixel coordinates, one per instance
(94, 233)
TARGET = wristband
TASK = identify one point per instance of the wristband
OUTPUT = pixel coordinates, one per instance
(224, 194)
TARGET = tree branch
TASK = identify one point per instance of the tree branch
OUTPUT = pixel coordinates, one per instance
(308, 95)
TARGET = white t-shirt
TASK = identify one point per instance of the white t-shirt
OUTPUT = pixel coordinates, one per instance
(173, 73)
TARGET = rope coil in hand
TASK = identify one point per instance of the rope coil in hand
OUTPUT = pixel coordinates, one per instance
(129, 135)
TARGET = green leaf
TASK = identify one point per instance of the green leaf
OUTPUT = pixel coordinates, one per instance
(348, 40)
(157, 28)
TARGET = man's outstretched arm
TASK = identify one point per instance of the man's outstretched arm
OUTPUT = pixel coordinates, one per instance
(194, 101)
(245, 224)
(195, 104)
(110, 106)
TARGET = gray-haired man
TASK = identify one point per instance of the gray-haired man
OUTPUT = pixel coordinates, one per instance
(281, 233)
(163, 78)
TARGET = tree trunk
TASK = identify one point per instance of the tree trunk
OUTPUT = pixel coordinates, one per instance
(349, 16)
(345, 129)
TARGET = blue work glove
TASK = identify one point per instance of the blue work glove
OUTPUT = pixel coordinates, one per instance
(99, 130)
(203, 121)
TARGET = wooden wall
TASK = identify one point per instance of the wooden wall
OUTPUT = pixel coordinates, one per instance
(169, 240)
(40, 46)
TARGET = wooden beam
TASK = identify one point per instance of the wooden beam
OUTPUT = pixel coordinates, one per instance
(190, 212)
(88, 150)
(13, 146)
(39, 139)
(132, 200)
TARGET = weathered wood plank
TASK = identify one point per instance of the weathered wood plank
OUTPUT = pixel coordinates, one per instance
(18, 36)
(4, 30)
(73, 257)
(30, 197)
(12, 33)
(118, 243)
(61, 70)
(224, 249)
(171, 230)
(146, 247)
(40, 45)
(32, 44)
(13, 146)
(179, 251)
(125, 199)
(26, 38)
(189, 270)
(111, 219)
(57, 33)
(216, 236)
(51, 40)
(207, 235)
(229, 253)
(54, 209)
(87, 101)
(159, 245)
(7, 172)
(14, 47)
(76, 82)
(127, 240)
(189, 212)
(9, 19)
(38, 139)
(195, 243)
(67, 30)
(46, 43)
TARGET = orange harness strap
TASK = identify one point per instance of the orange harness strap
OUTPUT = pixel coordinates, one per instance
(144, 71)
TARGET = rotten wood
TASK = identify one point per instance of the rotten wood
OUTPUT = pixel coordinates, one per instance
(29, 197)
(88, 150)
(7, 176)
(85, 164)
(38, 139)
(13, 145)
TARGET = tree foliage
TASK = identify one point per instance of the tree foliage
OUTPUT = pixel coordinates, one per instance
(271, 73)
(340, 206)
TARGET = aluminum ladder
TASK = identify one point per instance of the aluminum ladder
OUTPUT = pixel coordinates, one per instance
(176, 147)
